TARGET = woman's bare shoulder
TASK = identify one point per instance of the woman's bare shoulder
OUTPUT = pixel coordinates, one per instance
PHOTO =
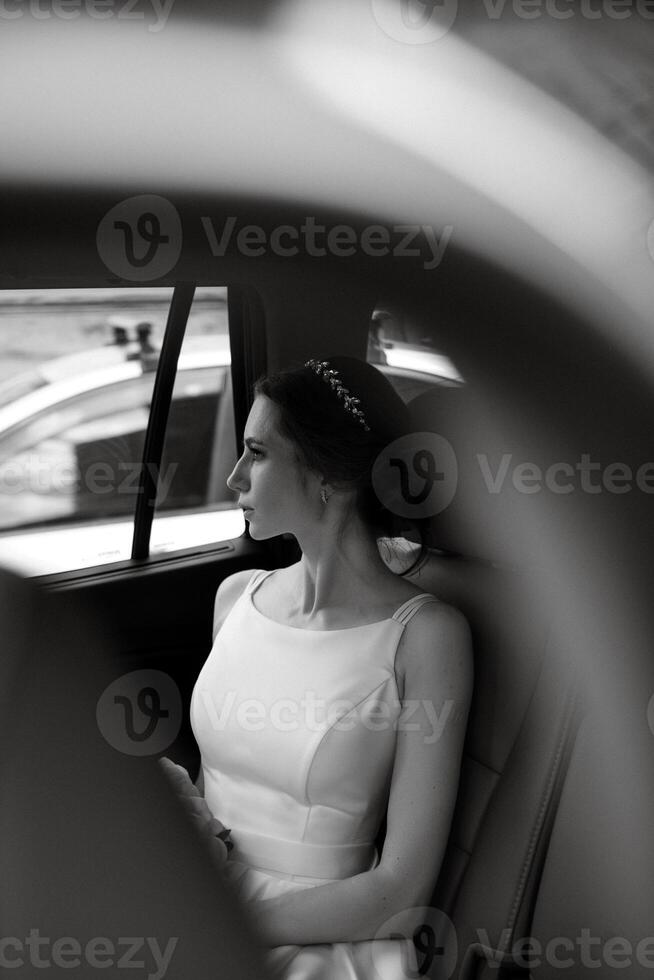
(236, 582)
(397, 591)
(229, 591)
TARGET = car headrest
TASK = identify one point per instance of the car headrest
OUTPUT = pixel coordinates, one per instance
(490, 515)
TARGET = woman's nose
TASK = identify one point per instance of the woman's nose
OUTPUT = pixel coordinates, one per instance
(237, 478)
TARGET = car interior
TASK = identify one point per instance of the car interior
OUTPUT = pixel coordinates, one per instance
(551, 838)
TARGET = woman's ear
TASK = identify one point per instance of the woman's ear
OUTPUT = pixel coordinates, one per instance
(323, 483)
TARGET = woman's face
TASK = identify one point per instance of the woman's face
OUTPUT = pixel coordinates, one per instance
(275, 490)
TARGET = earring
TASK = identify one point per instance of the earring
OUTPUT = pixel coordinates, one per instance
(323, 495)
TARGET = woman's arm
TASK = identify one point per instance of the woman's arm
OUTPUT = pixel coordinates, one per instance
(438, 685)
(438, 678)
(229, 590)
(339, 911)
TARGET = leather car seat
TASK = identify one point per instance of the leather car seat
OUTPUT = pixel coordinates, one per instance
(548, 869)
(526, 705)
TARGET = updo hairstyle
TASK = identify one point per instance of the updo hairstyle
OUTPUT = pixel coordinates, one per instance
(331, 441)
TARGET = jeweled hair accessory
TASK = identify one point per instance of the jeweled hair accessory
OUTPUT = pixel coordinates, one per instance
(329, 375)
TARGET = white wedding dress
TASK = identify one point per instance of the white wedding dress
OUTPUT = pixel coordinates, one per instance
(296, 730)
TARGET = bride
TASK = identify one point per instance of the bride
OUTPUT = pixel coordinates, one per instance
(335, 691)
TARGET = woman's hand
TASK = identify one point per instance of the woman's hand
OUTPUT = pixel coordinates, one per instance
(215, 832)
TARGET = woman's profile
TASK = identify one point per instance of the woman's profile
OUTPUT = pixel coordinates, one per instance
(335, 693)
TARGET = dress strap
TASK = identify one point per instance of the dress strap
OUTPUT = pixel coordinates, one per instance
(411, 607)
(256, 579)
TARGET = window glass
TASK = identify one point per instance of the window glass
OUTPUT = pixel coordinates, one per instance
(77, 369)
(406, 353)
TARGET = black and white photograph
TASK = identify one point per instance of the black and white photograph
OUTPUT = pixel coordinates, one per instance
(327, 489)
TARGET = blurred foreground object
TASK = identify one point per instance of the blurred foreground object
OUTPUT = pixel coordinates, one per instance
(92, 850)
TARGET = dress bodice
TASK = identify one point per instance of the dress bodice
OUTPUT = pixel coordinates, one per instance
(297, 732)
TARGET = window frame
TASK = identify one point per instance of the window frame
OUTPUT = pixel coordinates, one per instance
(155, 434)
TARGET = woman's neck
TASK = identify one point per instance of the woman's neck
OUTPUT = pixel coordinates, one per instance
(334, 573)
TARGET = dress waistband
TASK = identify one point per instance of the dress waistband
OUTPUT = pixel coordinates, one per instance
(300, 858)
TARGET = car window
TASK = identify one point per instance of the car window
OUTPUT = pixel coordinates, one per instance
(406, 353)
(76, 383)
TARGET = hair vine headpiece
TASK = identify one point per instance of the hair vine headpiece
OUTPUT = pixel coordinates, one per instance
(350, 403)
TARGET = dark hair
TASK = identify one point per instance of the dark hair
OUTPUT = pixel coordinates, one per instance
(330, 440)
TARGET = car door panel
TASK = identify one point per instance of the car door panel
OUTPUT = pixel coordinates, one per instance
(161, 614)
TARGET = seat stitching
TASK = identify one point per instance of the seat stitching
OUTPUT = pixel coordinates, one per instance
(540, 817)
